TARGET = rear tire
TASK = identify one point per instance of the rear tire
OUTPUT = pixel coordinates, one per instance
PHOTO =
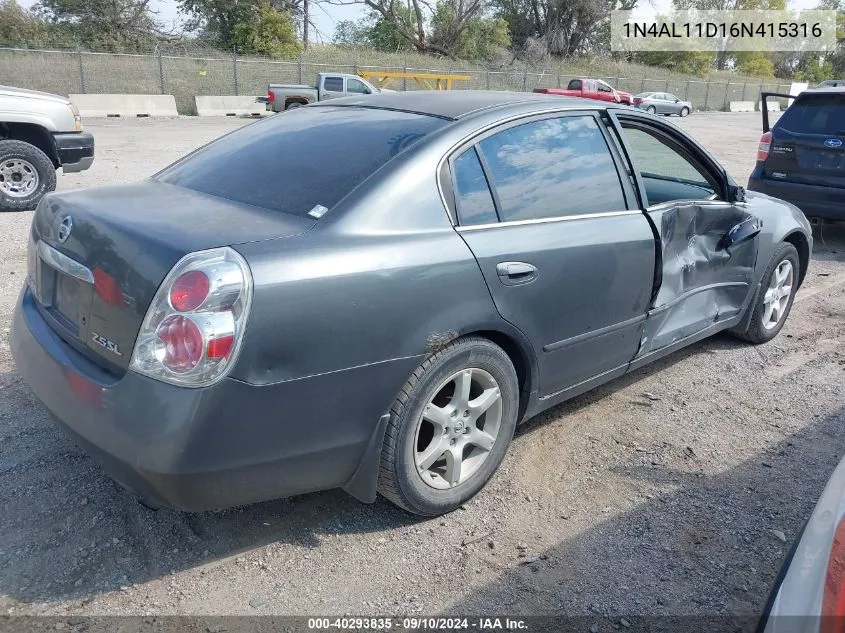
(292, 105)
(26, 174)
(684, 111)
(651, 110)
(444, 442)
(771, 306)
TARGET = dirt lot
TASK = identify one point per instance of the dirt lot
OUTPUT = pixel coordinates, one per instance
(615, 503)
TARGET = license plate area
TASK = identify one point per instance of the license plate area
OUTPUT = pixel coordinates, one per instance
(65, 298)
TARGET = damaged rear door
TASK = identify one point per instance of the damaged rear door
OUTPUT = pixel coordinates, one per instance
(706, 242)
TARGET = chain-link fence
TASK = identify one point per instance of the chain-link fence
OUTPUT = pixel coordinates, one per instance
(185, 76)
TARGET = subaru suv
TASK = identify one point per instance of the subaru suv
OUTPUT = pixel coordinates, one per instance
(801, 159)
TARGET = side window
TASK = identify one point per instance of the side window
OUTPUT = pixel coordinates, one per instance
(552, 168)
(472, 193)
(574, 84)
(357, 87)
(603, 87)
(667, 173)
(333, 84)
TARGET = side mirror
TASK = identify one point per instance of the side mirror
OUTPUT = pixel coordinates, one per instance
(677, 100)
(736, 193)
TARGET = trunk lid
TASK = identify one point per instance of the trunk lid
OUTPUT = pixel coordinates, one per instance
(808, 142)
(126, 239)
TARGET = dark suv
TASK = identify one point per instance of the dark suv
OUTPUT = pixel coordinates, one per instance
(802, 158)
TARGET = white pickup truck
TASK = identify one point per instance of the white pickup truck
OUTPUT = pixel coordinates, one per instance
(329, 86)
(39, 132)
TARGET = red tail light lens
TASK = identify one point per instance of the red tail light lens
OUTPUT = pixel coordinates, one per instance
(182, 343)
(763, 148)
(271, 96)
(195, 323)
(189, 291)
(833, 600)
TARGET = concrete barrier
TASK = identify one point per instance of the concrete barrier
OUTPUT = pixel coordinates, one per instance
(741, 106)
(102, 105)
(773, 105)
(229, 105)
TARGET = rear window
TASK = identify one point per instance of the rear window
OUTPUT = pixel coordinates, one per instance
(816, 114)
(296, 160)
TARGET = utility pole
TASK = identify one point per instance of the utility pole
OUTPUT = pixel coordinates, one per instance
(305, 23)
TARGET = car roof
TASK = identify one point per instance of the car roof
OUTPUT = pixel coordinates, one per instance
(826, 90)
(457, 104)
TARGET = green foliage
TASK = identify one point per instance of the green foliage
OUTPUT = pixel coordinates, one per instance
(267, 32)
(217, 20)
(755, 64)
(101, 24)
(478, 38)
(813, 73)
(18, 26)
(696, 63)
(373, 31)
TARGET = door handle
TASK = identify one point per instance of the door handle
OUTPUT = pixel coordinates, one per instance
(511, 273)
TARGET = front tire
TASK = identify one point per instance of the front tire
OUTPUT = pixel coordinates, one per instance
(26, 174)
(684, 111)
(450, 427)
(774, 300)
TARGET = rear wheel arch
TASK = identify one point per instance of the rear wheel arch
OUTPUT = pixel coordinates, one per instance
(33, 134)
(799, 241)
(523, 362)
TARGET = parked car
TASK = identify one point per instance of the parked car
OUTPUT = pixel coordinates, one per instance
(809, 592)
(801, 158)
(662, 103)
(329, 86)
(39, 132)
(832, 83)
(589, 89)
(375, 291)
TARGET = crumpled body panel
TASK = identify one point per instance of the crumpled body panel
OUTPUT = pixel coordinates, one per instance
(704, 277)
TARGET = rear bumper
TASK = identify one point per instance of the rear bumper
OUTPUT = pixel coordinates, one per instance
(75, 150)
(813, 200)
(203, 449)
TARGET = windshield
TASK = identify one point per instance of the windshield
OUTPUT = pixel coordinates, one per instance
(297, 160)
(815, 114)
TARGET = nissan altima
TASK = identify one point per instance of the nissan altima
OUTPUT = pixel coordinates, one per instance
(373, 292)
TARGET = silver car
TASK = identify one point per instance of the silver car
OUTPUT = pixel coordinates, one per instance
(662, 103)
(809, 594)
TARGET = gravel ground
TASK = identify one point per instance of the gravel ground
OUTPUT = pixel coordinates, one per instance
(675, 490)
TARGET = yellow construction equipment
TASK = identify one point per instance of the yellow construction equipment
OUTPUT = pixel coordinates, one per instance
(426, 81)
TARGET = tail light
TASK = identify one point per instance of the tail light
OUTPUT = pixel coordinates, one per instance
(637, 101)
(833, 598)
(763, 148)
(271, 96)
(194, 326)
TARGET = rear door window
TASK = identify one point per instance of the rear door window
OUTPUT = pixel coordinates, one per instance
(472, 193)
(574, 84)
(815, 114)
(300, 159)
(552, 168)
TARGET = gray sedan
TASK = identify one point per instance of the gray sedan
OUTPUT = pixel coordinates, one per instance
(661, 103)
(372, 293)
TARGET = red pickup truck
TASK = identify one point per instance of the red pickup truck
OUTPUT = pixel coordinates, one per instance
(589, 89)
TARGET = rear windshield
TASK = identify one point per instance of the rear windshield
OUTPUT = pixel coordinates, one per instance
(817, 114)
(294, 161)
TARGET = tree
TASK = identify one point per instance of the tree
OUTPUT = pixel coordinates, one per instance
(478, 37)
(755, 64)
(683, 62)
(371, 31)
(113, 24)
(411, 21)
(19, 26)
(564, 27)
(268, 32)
